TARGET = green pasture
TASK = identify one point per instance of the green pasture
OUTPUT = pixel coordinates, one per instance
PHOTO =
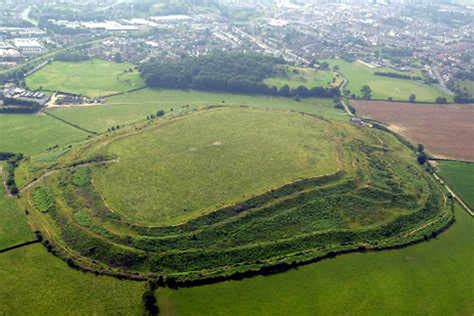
(30, 134)
(299, 76)
(13, 226)
(34, 282)
(460, 176)
(135, 106)
(92, 78)
(383, 88)
(431, 278)
(210, 159)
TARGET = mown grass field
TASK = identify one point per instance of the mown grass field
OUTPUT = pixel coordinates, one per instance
(298, 76)
(92, 78)
(460, 176)
(137, 105)
(210, 159)
(30, 134)
(34, 282)
(13, 226)
(383, 88)
(431, 278)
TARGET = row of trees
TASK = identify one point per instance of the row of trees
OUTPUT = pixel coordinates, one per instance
(12, 160)
(230, 72)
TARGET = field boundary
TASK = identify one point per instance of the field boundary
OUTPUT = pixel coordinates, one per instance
(71, 124)
(23, 244)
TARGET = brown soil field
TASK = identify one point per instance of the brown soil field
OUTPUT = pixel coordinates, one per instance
(447, 130)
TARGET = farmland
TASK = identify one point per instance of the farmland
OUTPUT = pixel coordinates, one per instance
(297, 76)
(383, 88)
(92, 78)
(431, 278)
(35, 282)
(459, 175)
(230, 211)
(31, 134)
(13, 227)
(445, 130)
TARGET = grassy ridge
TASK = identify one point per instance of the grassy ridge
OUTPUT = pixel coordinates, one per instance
(92, 78)
(430, 278)
(459, 175)
(35, 282)
(359, 75)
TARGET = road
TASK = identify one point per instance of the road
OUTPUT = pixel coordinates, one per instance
(25, 15)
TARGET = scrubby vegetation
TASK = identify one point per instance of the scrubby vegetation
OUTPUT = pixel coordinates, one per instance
(370, 193)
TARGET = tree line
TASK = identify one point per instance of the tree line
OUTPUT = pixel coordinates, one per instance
(12, 160)
(224, 71)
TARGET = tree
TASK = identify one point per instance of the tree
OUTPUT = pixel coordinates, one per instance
(422, 158)
(366, 92)
(284, 91)
(412, 97)
(149, 302)
(441, 100)
(421, 148)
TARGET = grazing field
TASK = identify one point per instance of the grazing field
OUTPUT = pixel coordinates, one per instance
(445, 130)
(30, 134)
(431, 278)
(13, 226)
(460, 176)
(34, 282)
(211, 159)
(135, 106)
(92, 78)
(244, 189)
(383, 88)
(298, 76)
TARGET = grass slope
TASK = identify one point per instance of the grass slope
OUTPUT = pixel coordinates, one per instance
(459, 175)
(31, 134)
(298, 76)
(359, 75)
(13, 227)
(136, 106)
(210, 159)
(35, 282)
(91, 78)
(432, 278)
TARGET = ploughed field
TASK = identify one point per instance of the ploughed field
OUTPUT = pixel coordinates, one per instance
(220, 191)
(445, 130)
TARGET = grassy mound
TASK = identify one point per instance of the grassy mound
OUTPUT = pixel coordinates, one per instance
(192, 166)
(224, 191)
(92, 78)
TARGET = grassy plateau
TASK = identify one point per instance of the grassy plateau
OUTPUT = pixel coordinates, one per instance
(298, 76)
(92, 78)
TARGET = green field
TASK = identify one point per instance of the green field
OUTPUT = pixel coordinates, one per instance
(212, 159)
(34, 282)
(13, 227)
(132, 107)
(298, 76)
(460, 176)
(432, 278)
(92, 78)
(383, 88)
(30, 134)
